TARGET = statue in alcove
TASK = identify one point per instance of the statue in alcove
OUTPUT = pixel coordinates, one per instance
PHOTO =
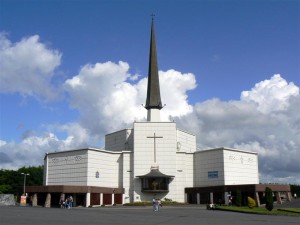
(154, 184)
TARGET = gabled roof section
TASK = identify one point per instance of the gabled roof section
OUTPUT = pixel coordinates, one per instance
(153, 100)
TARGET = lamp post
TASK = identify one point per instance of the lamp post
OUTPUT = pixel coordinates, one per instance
(25, 174)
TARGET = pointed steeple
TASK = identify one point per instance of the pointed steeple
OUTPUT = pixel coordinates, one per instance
(153, 100)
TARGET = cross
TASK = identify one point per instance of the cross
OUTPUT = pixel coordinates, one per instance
(154, 137)
(152, 15)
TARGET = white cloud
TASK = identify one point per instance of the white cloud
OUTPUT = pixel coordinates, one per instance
(31, 150)
(108, 102)
(27, 67)
(174, 87)
(265, 120)
(271, 95)
(109, 98)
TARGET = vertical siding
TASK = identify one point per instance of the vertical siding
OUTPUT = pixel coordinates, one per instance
(208, 161)
(185, 142)
(67, 168)
(119, 141)
(109, 167)
(240, 168)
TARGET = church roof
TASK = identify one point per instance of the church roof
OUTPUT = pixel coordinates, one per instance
(153, 100)
(155, 173)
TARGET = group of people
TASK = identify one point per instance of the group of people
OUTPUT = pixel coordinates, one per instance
(156, 204)
(66, 203)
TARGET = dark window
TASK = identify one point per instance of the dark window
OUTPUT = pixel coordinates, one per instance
(155, 184)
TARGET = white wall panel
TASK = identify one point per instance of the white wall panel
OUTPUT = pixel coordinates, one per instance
(120, 140)
(232, 167)
(144, 153)
(186, 142)
(108, 165)
(67, 168)
(240, 168)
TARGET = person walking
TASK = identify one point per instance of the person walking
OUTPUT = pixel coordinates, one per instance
(154, 203)
(70, 201)
(62, 203)
(67, 203)
(159, 205)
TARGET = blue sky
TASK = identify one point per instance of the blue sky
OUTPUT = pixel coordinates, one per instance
(222, 55)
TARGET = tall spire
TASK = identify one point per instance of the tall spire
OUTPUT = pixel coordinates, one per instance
(153, 100)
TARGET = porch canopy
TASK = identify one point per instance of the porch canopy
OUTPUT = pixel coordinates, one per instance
(155, 181)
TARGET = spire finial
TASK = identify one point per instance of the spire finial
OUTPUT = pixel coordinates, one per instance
(153, 100)
(152, 15)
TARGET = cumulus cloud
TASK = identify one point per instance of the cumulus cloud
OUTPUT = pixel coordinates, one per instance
(174, 87)
(271, 95)
(27, 67)
(266, 119)
(107, 101)
(31, 150)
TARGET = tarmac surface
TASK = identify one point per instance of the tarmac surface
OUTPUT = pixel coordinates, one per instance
(123, 215)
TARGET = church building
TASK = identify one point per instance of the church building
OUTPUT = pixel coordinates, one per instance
(153, 158)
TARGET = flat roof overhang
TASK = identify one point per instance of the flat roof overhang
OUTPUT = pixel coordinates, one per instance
(242, 187)
(73, 189)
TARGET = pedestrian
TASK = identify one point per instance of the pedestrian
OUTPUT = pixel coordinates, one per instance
(62, 203)
(154, 203)
(159, 204)
(67, 203)
(230, 201)
(70, 201)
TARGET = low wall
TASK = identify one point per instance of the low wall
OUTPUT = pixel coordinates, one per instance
(7, 199)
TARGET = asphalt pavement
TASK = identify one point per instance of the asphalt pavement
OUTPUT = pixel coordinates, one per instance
(188, 215)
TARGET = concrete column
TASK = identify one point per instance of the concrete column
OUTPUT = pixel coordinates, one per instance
(198, 198)
(211, 197)
(226, 198)
(278, 198)
(62, 196)
(289, 196)
(48, 201)
(257, 199)
(112, 199)
(34, 199)
(125, 199)
(185, 197)
(88, 199)
(101, 198)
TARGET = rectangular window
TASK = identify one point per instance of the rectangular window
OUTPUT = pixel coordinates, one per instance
(212, 174)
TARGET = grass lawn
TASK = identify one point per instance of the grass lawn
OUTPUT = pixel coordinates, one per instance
(256, 210)
(295, 210)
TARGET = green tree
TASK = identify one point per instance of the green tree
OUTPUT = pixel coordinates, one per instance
(5, 188)
(238, 199)
(269, 198)
(295, 189)
(12, 181)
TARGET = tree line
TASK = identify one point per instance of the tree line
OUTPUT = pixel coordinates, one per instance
(12, 181)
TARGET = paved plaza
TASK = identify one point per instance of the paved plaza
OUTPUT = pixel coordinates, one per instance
(16, 215)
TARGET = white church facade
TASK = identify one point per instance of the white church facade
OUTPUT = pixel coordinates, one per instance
(152, 158)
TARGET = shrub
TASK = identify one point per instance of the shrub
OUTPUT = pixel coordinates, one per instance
(251, 202)
(238, 200)
(269, 198)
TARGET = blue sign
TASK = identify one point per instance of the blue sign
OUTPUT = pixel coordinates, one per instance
(213, 174)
